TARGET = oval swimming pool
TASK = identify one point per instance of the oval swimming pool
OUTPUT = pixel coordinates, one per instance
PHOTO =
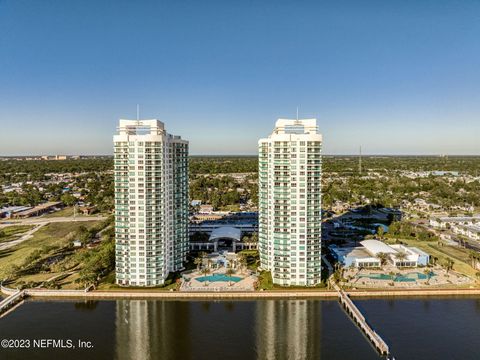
(218, 277)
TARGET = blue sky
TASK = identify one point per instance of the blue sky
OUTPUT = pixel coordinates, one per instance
(397, 77)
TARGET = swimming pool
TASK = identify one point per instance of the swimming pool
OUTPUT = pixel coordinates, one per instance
(218, 277)
(414, 276)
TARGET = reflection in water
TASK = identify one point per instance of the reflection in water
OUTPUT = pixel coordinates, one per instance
(240, 330)
(148, 330)
(288, 329)
(87, 305)
(285, 329)
(477, 306)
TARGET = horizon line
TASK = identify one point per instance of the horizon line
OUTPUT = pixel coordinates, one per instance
(250, 155)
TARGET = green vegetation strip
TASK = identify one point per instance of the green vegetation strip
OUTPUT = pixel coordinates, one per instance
(13, 232)
(44, 243)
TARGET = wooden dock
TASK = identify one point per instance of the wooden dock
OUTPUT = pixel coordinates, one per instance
(361, 322)
(11, 301)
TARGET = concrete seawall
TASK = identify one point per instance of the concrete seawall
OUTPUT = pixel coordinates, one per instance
(237, 295)
(421, 293)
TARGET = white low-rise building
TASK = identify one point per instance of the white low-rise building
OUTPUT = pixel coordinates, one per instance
(356, 257)
(447, 222)
(368, 255)
(472, 232)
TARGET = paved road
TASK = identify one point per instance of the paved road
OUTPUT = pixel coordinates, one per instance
(45, 220)
(21, 239)
(39, 223)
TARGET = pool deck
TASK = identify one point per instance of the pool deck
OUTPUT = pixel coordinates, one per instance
(245, 284)
(371, 279)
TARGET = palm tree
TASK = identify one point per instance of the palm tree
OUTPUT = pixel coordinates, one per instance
(473, 256)
(243, 260)
(383, 257)
(229, 273)
(198, 261)
(450, 263)
(205, 272)
(380, 232)
(428, 273)
(401, 256)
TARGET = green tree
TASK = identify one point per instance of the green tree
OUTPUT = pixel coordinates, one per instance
(380, 232)
(198, 261)
(68, 199)
(229, 273)
(383, 257)
(205, 271)
(401, 256)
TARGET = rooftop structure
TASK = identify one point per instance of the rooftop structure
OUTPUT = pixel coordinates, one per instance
(225, 238)
(374, 247)
(38, 210)
(11, 210)
(357, 257)
(226, 232)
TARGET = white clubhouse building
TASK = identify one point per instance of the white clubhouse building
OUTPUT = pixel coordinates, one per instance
(151, 202)
(367, 255)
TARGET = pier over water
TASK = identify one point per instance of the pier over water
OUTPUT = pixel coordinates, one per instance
(361, 322)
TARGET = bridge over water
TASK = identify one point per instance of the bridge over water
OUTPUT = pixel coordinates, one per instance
(8, 304)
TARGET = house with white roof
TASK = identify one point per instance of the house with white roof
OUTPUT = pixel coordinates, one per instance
(472, 232)
(447, 222)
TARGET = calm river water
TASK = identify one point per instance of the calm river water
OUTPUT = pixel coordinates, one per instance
(446, 328)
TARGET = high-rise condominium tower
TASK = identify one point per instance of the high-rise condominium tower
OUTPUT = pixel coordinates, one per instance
(290, 172)
(151, 202)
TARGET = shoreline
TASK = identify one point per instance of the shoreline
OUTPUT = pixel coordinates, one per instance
(280, 294)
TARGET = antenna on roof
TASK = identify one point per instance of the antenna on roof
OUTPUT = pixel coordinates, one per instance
(138, 112)
(360, 161)
(297, 113)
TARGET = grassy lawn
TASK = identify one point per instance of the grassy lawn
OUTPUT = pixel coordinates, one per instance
(69, 282)
(13, 232)
(113, 287)
(458, 255)
(265, 281)
(68, 212)
(108, 283)
(235, 207)
(40, 277)
(54, 234)
(65, 212)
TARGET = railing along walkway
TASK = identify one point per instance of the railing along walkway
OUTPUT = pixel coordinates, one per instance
(12, 300)
(360, 320)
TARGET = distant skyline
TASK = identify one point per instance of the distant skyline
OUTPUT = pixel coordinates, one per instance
(396, 77)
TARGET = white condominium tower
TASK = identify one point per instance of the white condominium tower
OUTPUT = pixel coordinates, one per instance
(151, 202)
(290, 172)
